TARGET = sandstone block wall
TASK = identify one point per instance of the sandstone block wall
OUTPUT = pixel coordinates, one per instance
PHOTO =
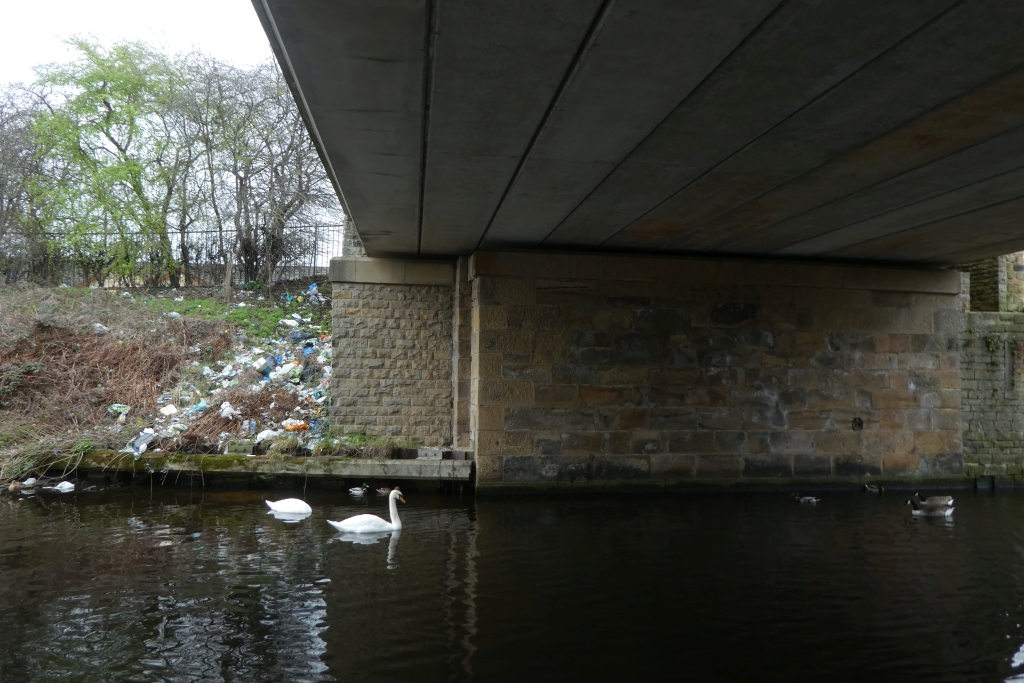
(392, 346)
(993, 394)
(462, 355)
(614, 368)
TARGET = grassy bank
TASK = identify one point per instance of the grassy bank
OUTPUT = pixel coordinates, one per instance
(68, 354)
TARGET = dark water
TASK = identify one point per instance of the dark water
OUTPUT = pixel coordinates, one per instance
(181, 586)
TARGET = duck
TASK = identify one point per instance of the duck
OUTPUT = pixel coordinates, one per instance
(383, 491)
(873, 488)
(806, 500)
(372, 524)
(358, 490)
(935, 500)
(15, 487)
(927, 509)
(292, 506)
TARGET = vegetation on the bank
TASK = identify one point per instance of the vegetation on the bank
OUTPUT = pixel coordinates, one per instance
(67, 354)
(132, 167)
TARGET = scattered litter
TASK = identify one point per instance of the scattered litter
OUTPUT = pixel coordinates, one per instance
(63, 487)
(295, 425)
(100, 329)
(228, 412)
(179, 298)
(174, 314)
(141, 442)
(169, 409)
(118, 409)
(268, 434)
(289, 323)
(197, 408)
(29, 483)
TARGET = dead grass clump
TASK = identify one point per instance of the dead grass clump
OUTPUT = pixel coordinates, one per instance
(58, 375)
(284, 446)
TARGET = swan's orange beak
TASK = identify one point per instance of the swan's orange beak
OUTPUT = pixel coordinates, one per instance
(401, 499)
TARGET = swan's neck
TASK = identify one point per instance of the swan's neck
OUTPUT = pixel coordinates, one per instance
(395, 521)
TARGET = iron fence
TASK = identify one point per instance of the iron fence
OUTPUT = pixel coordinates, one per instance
(307, 254)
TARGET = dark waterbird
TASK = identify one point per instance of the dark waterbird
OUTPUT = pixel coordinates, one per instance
(929, 509)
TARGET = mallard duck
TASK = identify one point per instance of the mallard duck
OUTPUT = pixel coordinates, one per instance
(806, 500)
(873, 488)
(359, 491)
(927, 509)
(15, 487)
(383, 491)
(935, 500)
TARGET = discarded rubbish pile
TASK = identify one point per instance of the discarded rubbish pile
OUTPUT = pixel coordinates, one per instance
(84, 370)
(268, 398)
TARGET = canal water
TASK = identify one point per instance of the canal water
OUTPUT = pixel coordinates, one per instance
(196, 585)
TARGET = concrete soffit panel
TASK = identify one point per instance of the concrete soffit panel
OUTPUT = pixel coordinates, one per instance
(392, 271)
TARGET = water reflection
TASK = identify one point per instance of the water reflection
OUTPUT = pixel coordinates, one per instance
(289, 517)
(372, 539)
(207, 587)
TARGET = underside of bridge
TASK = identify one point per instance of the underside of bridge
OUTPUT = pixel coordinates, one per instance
(665, 242)
(872, 130)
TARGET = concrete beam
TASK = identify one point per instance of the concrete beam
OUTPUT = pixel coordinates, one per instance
(725, 271)
(391, 271)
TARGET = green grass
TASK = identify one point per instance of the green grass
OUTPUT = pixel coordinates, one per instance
(259, 319)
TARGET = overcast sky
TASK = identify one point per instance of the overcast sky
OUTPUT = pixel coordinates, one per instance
(34, 30)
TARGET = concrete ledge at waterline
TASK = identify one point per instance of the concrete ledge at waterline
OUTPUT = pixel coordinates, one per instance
(897, 487)
(432, 469)
(386, 271)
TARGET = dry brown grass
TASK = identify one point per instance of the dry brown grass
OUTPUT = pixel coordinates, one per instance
(57, 376)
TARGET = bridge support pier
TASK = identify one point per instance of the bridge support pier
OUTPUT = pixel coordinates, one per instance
(652, 371)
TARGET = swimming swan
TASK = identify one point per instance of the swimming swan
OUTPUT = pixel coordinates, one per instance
(290, 505)
(370, 524)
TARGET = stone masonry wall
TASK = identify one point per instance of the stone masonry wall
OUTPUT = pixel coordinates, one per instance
(985, 291)
(1012, 268)
(393, 361)
(462, 355)
(595, 368)
(993, 394)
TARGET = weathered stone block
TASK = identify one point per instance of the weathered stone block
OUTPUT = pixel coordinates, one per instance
(755, 466)
(672, 466)
(812, 465)
(617, 467)
(719, 466)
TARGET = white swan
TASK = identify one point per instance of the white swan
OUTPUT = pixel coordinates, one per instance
(290, 505)
(370, 524)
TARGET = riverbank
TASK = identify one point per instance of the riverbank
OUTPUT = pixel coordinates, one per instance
(164, 371)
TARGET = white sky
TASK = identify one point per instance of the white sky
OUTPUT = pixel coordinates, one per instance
(34, 30)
